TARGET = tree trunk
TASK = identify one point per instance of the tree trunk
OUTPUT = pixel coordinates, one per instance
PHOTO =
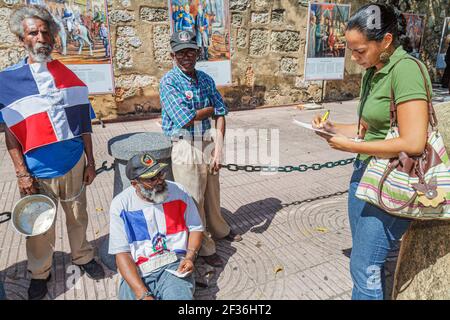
(424, 259)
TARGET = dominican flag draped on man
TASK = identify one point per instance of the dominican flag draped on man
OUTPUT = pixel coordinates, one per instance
(44, 103)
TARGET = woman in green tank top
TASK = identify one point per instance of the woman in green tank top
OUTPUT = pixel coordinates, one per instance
(372, 37)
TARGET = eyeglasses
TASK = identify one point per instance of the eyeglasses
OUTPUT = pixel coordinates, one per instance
(189, 53)
(152, 180)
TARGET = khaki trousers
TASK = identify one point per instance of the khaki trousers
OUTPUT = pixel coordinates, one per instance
(40, 248)
(191, 169)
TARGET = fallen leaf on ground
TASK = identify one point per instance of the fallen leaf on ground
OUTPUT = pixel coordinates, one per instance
(321, 229)
(278, 269)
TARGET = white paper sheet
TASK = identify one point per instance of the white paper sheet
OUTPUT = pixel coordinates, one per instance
(178, 274)
(310, 127)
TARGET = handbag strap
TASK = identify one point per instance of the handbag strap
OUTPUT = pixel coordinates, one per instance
(364, 96)
(393, 107)
(431, 113)
(393, 123)
(388, 171)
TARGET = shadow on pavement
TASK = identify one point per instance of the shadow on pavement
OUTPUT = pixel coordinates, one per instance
(207, 276)
(64, 276)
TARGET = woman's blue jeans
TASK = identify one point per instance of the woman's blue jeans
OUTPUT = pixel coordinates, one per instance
(374, 234)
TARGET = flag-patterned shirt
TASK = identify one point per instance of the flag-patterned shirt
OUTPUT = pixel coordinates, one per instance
(181, 96)
(46, 107)
(147, 229)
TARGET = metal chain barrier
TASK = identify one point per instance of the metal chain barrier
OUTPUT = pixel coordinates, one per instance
(298, 202)
(300, 168)
(251, 168)
(104, 168)
(5, 217)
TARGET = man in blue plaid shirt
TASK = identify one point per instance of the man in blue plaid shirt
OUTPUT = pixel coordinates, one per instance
(189, 98)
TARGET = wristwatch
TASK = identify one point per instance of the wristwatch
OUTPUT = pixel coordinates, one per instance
(145, 294)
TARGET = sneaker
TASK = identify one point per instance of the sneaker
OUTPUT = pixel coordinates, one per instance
(213, 260)
(93, 269)
(38, 288)
(233, 237)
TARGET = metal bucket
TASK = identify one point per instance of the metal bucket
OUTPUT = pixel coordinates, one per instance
(33, 215)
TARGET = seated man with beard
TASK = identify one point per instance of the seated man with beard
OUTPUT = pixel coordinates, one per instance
(155, 233)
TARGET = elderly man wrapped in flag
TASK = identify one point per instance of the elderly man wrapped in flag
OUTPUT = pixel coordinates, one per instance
(46, 110)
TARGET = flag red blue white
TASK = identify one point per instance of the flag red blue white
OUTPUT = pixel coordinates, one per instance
(44, 103)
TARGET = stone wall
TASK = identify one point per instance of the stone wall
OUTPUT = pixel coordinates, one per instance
(267, 42)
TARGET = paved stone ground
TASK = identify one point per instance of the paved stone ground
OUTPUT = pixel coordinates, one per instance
(297, 251)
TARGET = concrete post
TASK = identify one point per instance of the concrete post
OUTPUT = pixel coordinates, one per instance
(424, 258)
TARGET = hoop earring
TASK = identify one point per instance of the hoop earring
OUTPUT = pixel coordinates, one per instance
(384, 57)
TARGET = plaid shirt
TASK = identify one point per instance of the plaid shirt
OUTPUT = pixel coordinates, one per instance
(181, 97)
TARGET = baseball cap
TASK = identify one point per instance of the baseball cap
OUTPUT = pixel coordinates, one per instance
(183, 39)
(143, 165)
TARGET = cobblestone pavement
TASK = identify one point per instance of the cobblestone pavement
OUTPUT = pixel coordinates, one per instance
(297, 251)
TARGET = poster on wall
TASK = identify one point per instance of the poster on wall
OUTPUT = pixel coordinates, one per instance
(83, 42)
(445, 42)
(414, 28)
(325, 44)
(210, 20)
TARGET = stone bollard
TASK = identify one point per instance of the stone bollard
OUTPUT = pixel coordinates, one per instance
(122, 148)
(424, 258)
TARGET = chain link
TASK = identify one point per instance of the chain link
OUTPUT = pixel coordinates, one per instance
(251, 168)
(287, 169)
(327, 196)
(104, 168)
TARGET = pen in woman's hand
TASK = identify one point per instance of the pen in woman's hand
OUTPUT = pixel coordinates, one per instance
(319, 121)
(325, 117)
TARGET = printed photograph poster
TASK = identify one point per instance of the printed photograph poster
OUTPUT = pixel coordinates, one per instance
(83, 42)
(414, 25)
(210, 20)
(445, 42)
(325, 45)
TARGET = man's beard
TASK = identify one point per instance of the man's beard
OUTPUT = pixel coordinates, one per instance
(157, 195)
(40, 52)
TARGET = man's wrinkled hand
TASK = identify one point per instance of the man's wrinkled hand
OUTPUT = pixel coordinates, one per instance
(186, 266)
(27, 185)
(89, 175)
(215, 163)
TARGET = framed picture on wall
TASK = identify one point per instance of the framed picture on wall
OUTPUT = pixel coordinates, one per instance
(445, 42)
(83, 42)
(210, 21)
(325, 44)
(414, 25)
